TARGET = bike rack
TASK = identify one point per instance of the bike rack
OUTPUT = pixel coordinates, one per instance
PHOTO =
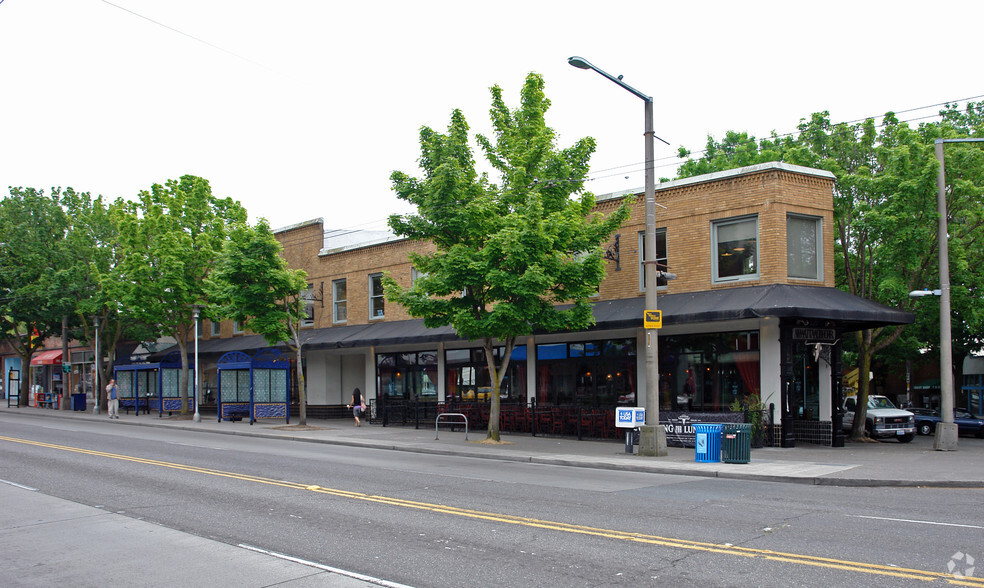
(464, 418)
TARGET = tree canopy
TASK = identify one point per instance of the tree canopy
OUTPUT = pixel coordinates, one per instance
(36, 287)
(885, 213)
(252, 284)
(507, 253)
(172, 239)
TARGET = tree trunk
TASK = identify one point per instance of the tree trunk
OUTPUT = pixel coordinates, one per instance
(301, 390)
(865, 352)
(183, 377)
(496, 375)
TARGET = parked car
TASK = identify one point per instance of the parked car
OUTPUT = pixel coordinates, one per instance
(967, 424)
(882, 419)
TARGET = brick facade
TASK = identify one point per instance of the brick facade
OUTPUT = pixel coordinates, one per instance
(769, 191)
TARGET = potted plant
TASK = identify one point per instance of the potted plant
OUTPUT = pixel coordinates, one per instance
(754, 412)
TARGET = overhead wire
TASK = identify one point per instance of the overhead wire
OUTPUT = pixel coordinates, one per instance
(675, 160)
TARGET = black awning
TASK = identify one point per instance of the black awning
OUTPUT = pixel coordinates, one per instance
(776, 300)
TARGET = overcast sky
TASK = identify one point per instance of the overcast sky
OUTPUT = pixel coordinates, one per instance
(301, 109)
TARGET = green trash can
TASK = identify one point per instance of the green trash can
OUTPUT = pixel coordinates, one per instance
(736, 443)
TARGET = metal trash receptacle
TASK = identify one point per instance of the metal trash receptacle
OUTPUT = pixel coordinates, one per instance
(707, 442)
(78, 402)
(736, 443)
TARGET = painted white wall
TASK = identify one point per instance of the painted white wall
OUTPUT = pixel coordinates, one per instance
(769, 364)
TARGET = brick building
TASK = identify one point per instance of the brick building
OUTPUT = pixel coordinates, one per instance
(754, 312)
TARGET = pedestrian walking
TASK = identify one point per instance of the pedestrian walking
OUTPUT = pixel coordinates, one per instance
(357, 405)
(113, 400)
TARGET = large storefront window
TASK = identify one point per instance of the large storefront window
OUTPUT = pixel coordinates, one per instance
(707, 373)
(407, 376)
(588, 373)
(468, 375)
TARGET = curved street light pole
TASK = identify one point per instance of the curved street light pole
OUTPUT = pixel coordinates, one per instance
(652, 437)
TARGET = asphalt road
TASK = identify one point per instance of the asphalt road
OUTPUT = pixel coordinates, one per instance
(432, 520)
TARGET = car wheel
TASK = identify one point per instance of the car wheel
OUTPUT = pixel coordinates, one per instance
(925, 428)
(868, 430)
(906, 438)
(980, 433)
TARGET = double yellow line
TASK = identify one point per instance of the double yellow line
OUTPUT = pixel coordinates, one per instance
(766, 554)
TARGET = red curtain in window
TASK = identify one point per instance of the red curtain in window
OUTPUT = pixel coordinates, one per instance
(748, 367)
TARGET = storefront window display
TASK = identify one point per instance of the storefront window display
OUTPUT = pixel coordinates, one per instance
(586, 373)
(408, 376)
(707, 372)
(468, 375)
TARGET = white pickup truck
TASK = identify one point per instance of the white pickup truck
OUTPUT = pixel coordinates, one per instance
(882, 419)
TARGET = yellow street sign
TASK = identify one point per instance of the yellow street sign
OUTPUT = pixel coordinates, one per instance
(653, 319)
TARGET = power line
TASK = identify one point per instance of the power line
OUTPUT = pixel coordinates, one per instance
(190, 36)
(674, 161)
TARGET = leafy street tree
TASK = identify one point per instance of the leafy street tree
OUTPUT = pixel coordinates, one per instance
(35, 276)
(252, 284)
(885, 212)
(506, 254)
(93, 245)
(171, 240)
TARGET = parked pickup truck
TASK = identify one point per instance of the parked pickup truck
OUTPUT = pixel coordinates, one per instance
(882, 419)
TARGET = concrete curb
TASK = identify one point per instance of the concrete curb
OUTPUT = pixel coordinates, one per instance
(622, 464)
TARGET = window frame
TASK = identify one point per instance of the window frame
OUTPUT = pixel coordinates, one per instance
(237, 328)
(818, 228)
(339, 303)
(716, 225)
(215, 329)
(661, 282)
(307, 312)
(376, 313)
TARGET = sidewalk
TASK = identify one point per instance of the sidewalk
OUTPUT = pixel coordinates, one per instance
(887, 463)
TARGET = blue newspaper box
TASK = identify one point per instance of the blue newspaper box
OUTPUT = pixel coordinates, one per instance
(707, 442)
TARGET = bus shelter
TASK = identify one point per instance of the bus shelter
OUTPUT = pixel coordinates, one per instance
(153, 386)
(253, 387)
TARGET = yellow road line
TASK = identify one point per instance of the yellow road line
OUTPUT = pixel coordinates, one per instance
(793, 558)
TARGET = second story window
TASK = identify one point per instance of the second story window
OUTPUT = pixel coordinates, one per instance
(660, 258)
(216, 328)
(237, 328)
(804, 247)
(735, 249)
(338, 301)
(376, 298)
(307, 306)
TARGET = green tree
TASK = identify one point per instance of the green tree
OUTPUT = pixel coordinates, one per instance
(251, 283)
(171, 241)
(506, 254)
(35, 275)
(885, 211)
(94, 246)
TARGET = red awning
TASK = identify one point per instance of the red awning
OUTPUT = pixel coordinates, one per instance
(52, 357)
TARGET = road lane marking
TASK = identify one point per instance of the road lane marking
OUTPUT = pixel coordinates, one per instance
(915, 521)
(314, 564)
(686, 544)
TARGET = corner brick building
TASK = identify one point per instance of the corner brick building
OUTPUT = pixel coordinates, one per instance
(753, 312)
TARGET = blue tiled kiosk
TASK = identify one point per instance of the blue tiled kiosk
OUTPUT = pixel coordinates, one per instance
(153, 386)
(253, 387)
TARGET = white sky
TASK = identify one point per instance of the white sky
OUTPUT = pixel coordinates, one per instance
(301, 108)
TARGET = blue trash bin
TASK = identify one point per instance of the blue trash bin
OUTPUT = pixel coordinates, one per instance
(707, 442)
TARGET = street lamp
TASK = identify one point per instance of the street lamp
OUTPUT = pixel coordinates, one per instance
(652, 438)
(197, 418)
(946, 431)
(95, 367)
